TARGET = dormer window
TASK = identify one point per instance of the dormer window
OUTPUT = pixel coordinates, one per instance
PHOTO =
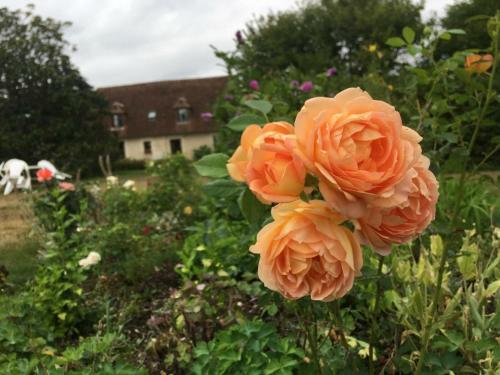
(183, 108)
(118, 114)
(182, 115)
(152, 115)
(117, 121)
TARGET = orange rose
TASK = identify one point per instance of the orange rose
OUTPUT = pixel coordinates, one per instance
(266, 162)
(305, 251)
(359, 150)
(477, 63)
(380, 228)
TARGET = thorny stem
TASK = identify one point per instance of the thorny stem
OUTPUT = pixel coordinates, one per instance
(375, 315)
(458, 202)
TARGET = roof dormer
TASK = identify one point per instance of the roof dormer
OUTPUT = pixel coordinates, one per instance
(183, 109)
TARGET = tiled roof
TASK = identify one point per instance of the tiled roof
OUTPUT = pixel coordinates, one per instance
(163, 97)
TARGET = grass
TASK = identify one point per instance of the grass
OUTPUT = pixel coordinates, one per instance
(20, 260)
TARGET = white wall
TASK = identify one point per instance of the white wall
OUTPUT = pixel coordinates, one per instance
(134, 148)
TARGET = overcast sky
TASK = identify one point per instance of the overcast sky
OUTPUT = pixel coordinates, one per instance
(130, 41)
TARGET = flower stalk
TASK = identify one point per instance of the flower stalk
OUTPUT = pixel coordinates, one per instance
(375, 316)
(427, 331)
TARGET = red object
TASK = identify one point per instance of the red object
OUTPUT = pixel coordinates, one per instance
(44, 175)
(146, 230)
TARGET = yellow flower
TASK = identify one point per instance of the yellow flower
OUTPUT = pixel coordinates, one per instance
(390, 87)
(188, 210)
(372, 48)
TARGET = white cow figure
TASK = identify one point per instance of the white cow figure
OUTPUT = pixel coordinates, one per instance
(14, 173)
(45, 164)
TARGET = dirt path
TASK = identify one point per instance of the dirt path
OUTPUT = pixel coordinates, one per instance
(15, 217)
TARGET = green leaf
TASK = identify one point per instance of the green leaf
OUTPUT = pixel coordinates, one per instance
(395, 42)
(467, 260)
(492, 288)
(213, 165)
(253, 210)
(409, 34)
(260, 105)
(445, 36)
(239, 123)
(456, 31)
(221, 188)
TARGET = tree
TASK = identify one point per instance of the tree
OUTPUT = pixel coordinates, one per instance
(47, 109)
(460, 16)
(320, 34)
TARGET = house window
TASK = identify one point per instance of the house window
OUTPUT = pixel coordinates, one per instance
(152, 115)
(117, 121)
(175, 146)
(117, 116)
(148, 149)
(182, 115)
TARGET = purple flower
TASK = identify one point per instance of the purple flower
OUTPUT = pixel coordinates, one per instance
(254, 85)
(229, 97)
(294, 83)
(307, 86)
(331, 72)
(239, 37)
(207, 116)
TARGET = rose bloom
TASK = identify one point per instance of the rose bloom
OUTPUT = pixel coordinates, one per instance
(380, 228)
(305, 251)
(44, 175)
(477, 63)
(307, 86)
(331, 72)
(266, 162)
(359, 150)
(254, 85)
(206, 116)
(66, 186)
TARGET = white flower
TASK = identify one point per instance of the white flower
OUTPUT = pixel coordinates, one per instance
(200, 287)
(95, 189)
(111, 181)
(129, 184)
(92, 259)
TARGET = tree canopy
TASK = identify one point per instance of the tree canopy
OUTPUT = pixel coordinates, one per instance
(466, 15)
(322, 33)
(47, 109)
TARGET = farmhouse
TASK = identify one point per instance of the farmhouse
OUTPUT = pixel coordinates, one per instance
(153, 120)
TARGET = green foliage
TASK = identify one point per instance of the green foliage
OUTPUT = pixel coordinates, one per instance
(248, 348)
(201, 151)
(321, 34)
(239, 123)
(93, 355)
(47, 110)
(213, 165)
(472, 16)
(174, 187)
(19, 260)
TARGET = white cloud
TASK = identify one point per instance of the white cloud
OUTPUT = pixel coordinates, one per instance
(127, 41)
